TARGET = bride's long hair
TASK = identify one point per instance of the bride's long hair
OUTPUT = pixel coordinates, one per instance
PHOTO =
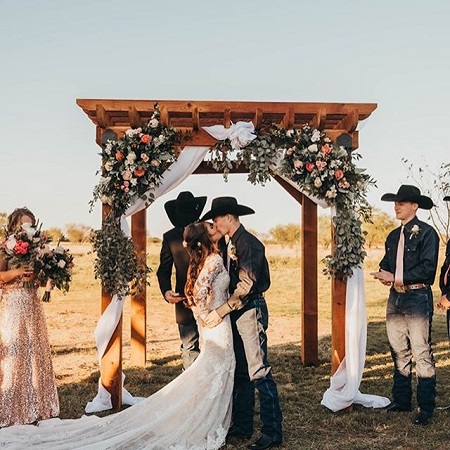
(199, 246)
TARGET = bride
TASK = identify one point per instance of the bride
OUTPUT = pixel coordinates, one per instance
(193, 411)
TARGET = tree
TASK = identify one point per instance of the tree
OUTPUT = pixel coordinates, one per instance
(3, 221)
(376, 232)
(78, 233)
(288, 234)
(436, 184)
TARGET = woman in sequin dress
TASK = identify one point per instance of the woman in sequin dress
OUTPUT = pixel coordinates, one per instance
(27, 382)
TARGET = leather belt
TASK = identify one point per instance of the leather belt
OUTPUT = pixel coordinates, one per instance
(409, 287)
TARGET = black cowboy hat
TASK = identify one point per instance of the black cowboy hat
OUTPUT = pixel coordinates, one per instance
(408, 193)
(185, 209)
(447, 198)
(221, 206)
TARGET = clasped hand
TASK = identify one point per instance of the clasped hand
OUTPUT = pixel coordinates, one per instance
(212, 319)
(386, 278)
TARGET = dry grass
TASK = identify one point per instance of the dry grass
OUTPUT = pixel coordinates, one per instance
(308, 425)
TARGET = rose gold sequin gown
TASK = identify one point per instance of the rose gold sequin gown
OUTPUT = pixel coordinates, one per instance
(27, 382)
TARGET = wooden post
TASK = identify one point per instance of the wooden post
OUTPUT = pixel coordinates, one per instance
(138, 299)
(310, 350)
(111, 362)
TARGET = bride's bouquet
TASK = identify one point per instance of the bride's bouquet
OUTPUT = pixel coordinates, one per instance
(55, 269)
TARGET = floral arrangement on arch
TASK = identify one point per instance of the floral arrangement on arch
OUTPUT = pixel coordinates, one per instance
(134, 164)
(322, 170)
(131, 166)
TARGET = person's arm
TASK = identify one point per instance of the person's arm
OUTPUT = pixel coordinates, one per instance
(164, 272)
(203, 284)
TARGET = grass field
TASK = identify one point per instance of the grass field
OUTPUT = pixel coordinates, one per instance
(308, 425)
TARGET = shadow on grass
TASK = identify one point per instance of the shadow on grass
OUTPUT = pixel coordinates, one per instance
(307, 424)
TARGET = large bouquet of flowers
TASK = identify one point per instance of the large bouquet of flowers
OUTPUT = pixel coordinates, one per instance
(23, 247)
(55, 268)
(134, 164)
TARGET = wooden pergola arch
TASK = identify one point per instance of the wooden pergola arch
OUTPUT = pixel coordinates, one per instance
(338, 120)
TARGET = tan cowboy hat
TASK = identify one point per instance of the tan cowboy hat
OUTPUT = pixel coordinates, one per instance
(185, 209)
(408, 193)
(221, 206)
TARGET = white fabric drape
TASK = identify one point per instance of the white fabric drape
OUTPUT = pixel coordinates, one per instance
(189, 159)
(344, 384)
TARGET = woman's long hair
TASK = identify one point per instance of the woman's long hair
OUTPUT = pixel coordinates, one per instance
(199, 246)
(13, 223)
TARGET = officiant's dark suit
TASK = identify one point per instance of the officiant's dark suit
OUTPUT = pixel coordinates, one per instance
(182, 211)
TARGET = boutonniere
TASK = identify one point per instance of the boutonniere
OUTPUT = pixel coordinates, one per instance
(232, 252)
(415, 230)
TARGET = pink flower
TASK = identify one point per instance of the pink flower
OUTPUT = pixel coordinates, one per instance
(144, 157)
(321, 164)
(310, 166)
(21, 247)
(338, 174)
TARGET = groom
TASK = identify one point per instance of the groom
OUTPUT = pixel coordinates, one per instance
(182, 211)
(249, 279)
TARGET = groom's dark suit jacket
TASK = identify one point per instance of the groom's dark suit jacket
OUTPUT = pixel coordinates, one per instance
(174, 254)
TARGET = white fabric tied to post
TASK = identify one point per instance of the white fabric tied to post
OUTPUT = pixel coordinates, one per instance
(189, 159)
(239, 134)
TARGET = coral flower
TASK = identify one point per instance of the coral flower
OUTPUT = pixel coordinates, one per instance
(338, 174)
(326, 149)
(145, 138)
(139, 172)
(119, 156)
(310, 166)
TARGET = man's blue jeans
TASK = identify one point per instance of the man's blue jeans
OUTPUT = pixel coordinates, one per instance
(408, 323)
(253, 371)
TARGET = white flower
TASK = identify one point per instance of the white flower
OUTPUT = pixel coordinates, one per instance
(127, 175)
(298, 164)
(61, 264)
(290, 132)
(317, 182)
(29, 229)
(131, 157)
(415, 230)
(108, 166)
(108, 147)
(154, 123)
(315, 136)
(11, 243)
(133, 181)
(106, 200)
(313, 148)
(59, 250)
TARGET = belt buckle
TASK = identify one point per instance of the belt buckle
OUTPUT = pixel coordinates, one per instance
(400, 289)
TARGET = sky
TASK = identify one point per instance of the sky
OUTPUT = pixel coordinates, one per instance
(390, 52)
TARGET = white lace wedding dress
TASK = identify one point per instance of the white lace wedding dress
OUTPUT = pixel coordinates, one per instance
(192, 412)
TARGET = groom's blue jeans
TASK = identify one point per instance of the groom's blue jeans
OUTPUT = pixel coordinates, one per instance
(408, 324)
(254, 372)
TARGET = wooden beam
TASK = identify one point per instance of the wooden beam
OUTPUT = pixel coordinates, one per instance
(135, 117)
(319, 119)
(227, 117)
(294, 193)
(195, 119)
(102, 115)
(349, 122)
(138, 298)
(257, 120)
(288, 119)
(164, 118)
(309, 347)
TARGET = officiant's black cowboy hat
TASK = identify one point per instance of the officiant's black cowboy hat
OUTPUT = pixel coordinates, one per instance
(408, 193)
(185, 209)
(221, 206)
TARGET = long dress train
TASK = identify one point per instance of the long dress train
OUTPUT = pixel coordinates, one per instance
(27, 382)
(192, 412)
